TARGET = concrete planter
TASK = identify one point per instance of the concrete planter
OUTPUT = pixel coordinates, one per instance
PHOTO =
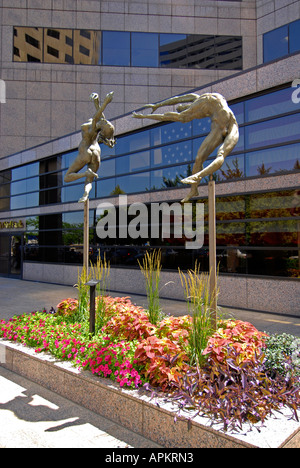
(135, 411)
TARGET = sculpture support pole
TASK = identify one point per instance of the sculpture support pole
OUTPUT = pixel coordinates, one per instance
(212, 248)
(86, 246)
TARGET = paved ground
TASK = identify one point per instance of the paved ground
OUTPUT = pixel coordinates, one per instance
(32, 416)
(17, 297)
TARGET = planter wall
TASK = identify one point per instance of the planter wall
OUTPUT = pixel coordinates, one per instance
(135, 411)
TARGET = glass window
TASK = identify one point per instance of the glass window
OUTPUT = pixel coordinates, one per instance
(170, 132)
(133, 183)
(71, 193)
(168, 177)
(230, 233)
(144, 50)
(201, 51)
(106, 188)
(5, 177)
(270, 161)
(133, 162)
(294, 30)
(116, 48)
(172, 154)
(269, 105)
(28, 185)
(68, 159)
(24, 201)
(56, 45)
(233, 168)
(238, 110)
(107, 152)
(4, 204)
(276, 43)
(72, 219)
(228, 208)
(170, 48)
(201, 126)
(271, 132)
(273, 233)
(87, 47)
(272, 262)
(24, 172)
(107, 168)
(274, 204)
(133, 142)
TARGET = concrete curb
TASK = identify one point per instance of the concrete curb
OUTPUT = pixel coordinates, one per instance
(135, 411)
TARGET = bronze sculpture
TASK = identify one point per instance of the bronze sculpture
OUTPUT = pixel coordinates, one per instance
(95, 131)
(224, 130)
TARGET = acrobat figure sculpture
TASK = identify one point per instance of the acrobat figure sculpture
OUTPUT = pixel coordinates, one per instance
(224, 130)
(97, 130)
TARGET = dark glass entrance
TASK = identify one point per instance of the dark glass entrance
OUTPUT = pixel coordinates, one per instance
(11, 246)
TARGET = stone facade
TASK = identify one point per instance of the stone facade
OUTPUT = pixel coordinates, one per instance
(37, 93)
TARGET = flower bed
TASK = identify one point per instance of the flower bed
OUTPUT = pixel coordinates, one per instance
(234, 385)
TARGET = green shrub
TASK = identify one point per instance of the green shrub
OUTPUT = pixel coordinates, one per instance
(281, 348)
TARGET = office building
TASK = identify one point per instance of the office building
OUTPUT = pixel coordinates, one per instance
(54, 54)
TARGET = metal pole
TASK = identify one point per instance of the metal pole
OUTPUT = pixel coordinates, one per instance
(92, 284)
(212, 248)
(86, 246)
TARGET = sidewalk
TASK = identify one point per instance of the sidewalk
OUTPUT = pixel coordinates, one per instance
(32, 416)
(18, 297)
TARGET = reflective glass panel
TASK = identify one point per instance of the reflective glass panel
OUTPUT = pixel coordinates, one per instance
(28, 44)
(74, 193)
(269, 105)
(133, 162)
(4, 204)
(57, 46)
(107, 168)
(230, 234)
(29, 185)
(133, 183)
(277, 262)
(201, 126)
(230, 208)
(107, 152)
(5, 177)
(168, 177)
(172, 154)
(270, 161)
(87, 47)
(273, 233)
(144, 50)
(294, 30)
(232, 259)
(116, 48)
(24, 201)
(171, 132)
(274, 204)
(72, 219)
(233, 168)
(276, 43)
(238, 110)
(106, 187)
(170, 49)
(133, 142)
(24, 172)
(272, 132)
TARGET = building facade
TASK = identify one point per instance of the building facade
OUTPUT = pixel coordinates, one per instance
(56, 53)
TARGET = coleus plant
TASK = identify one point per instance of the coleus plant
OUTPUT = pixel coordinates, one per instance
(237, 337)
(160, 361)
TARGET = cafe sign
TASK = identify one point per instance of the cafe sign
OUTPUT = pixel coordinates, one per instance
(19, 224)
